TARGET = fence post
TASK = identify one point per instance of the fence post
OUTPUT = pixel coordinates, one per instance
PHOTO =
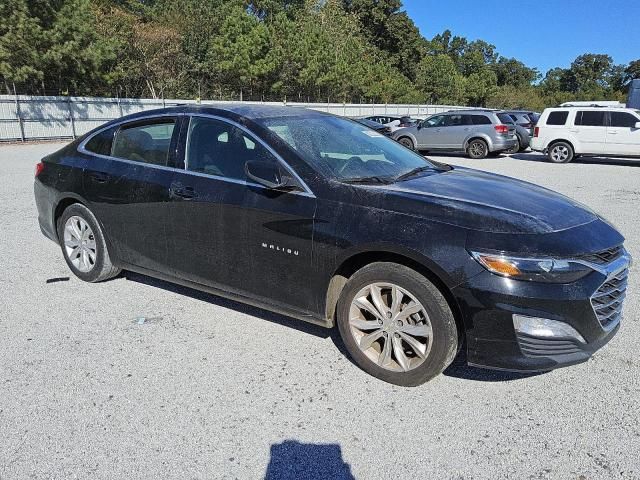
(22, 138)
(119, 104)
(73, 123)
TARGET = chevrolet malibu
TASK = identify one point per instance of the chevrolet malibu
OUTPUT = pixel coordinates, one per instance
(322, 219)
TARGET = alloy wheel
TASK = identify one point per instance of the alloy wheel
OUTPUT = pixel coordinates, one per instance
(560, 153)
(80, 244)
(391, 327)
(477, 149)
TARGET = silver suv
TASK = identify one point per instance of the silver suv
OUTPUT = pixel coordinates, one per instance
(476, 132)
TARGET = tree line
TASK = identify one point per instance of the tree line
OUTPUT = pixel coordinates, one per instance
(296, 50)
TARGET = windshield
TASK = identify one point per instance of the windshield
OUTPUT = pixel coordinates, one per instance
(347, 150)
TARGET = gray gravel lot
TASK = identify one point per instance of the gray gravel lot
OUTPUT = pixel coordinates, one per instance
(208, 388)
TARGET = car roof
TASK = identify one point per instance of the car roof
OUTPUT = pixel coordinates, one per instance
(592, 108)
(249, 111)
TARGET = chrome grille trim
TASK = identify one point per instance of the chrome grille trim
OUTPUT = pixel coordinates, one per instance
(603, 257)
(608, 300)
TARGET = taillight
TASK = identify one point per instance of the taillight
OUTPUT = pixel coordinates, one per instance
(39, 168)
(503, 129)
(536, 132)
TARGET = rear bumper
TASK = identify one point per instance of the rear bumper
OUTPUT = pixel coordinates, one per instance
(536, 145)
(488, 303)
(45, 199)
(502, 143)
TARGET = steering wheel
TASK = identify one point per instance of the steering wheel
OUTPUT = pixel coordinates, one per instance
(351, 162)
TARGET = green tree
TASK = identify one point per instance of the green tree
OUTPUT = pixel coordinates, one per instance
(439, 80)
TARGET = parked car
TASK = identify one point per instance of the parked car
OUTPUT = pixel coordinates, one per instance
(633, 97)
(394, 122)
(564, 133)
(378, 127)
(524, 118)
(476, 132)
(523, 134)
(311, 215)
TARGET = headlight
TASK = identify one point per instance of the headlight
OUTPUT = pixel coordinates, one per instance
(547, 270)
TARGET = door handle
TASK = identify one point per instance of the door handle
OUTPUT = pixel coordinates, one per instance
(99, 177)
(612, 133)
(181, 191)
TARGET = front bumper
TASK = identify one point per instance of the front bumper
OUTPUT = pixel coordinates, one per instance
(488, 303)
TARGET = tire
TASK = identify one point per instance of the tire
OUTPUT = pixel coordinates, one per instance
(561, 152)
(78, 226)
(406, 142)
(477, 149)
(517, 148)
(402, 365)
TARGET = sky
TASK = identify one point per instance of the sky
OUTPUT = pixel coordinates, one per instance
(541, 33)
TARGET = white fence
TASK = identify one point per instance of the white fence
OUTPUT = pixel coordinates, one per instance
(25, 117)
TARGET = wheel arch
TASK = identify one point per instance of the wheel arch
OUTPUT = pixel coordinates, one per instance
(409, 136)
(557, 140)
(478, 136)
(64, 202)
(351, 264)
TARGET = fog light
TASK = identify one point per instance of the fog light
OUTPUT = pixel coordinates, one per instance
(545, 328)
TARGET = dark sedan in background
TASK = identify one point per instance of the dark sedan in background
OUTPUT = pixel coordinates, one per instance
(316, 217)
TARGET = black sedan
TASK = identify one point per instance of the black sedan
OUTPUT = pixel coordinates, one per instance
(318, 218)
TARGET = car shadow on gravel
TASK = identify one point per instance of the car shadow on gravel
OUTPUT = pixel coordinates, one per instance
(457, 369)
(230, 304)
(460, 369)
(619, 162)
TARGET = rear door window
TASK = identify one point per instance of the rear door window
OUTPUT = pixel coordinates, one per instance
(590, 118)
(101, 142)
(480, 120)
(558, 118)
(146, 142)
(623, 119)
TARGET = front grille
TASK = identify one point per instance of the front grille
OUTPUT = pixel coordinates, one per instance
(603, 257)
(608, 299)
(538, 347)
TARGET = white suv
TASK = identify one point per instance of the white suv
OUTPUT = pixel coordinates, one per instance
(566, 132)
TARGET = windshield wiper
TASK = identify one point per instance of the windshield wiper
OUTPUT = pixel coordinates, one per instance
(412, 173)
(371, 179)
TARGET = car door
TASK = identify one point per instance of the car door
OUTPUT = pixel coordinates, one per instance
(590, 129)
(455, 131)
(126, 182)
(234, 234)
(430, 133)
(623, 138)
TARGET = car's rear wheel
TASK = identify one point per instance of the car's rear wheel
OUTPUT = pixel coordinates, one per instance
(396, 324)
(83, 245)
(477, 149)
(561, 152)
(406, 142)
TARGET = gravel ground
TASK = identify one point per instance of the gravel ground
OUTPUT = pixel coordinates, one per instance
(208, 388)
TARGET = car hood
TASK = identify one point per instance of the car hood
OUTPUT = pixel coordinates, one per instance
(487, 202)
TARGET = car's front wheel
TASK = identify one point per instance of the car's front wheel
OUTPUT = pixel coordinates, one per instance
(396, 324)
(83, 245)
(406, 142)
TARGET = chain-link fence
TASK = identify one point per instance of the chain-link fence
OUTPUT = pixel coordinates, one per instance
(24, 117)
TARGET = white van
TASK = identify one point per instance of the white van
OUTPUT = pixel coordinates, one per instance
(566, 132)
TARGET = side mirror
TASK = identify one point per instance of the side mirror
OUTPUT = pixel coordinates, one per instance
(269, 175)
(637, 125)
